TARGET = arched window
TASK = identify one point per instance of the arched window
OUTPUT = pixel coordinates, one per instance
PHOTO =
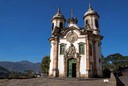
(81, 48)
(99, 60)
(52, 26)
(62, 49)
(61, 25)
(96, 23)
(87, 22)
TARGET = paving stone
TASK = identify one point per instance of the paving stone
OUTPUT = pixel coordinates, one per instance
(55, 82)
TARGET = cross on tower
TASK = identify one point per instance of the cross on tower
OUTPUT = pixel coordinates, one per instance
(90, 1)
(72, 13)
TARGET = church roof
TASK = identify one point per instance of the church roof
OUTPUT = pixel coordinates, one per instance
(91, 12)
(58, 15)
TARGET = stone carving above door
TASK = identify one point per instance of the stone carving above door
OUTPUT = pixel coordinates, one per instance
(71, 52)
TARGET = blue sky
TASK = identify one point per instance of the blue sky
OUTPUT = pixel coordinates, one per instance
(25, 26)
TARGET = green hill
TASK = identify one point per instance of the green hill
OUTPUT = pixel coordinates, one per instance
(4, 73)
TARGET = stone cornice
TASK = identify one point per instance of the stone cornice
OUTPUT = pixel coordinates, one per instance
(68, 29)
(98, 37)
(51, 38)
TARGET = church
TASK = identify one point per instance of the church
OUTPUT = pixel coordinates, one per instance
(76, 51)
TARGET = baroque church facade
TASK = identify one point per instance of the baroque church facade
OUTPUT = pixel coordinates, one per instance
(75, 51)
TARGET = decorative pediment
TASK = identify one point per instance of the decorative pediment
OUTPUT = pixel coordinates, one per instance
(72, 37)
(65, 32)
(70, 52)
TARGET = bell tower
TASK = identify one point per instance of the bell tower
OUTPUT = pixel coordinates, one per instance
(93, 43)
(91, 18)
(58, 21)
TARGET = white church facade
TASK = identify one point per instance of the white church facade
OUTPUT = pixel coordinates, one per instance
(75, 51)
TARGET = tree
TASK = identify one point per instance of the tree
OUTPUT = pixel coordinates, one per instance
(15, 75)
(126, 61)
(45, 64)
(4, 73)
(114, 61)
(29, 74)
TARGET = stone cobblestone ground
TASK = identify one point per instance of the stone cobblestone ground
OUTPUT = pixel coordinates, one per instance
(55, 82)
(124, 80)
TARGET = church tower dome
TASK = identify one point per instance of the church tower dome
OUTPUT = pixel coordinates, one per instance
(58, 21)
(91, 18)
(90, 12)
(58, 15)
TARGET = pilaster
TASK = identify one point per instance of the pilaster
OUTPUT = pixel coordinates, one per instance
(55, 58)
(94, 59)
(88, 54)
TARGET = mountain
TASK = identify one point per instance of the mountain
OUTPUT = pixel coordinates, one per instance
(4, 73)
(3, 70)
(20, 66)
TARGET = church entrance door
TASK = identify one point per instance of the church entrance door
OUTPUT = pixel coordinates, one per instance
(71, 71)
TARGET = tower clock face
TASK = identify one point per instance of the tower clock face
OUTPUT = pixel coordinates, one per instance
(72, 37)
